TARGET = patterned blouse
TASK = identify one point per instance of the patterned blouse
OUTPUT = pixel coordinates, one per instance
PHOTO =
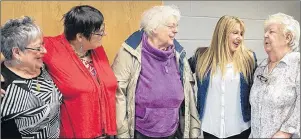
(90, 66)
(88, 63)
(30, 108)
(275, 98)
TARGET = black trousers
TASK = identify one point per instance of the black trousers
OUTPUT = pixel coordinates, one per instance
(242, 135)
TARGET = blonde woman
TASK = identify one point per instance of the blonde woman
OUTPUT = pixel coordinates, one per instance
(224, 74)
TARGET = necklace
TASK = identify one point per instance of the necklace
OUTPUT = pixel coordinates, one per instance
(79, 54)
(38, 84)
(82, 56)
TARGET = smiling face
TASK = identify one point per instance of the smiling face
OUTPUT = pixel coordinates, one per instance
(274, 38)
(166, 33)
(32, 56)
(96, 38)
(235, 38)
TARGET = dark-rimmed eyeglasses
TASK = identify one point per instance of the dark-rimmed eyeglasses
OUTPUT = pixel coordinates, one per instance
(36, 49)
(262, 78)
(40, 48)
(102, 32)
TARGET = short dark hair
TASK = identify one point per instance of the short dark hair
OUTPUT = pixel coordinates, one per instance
(83, 19)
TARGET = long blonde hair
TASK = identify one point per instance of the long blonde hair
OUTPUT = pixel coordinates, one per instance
(218, 54)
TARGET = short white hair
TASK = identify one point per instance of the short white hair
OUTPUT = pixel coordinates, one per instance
(158, 16)
(290, 25)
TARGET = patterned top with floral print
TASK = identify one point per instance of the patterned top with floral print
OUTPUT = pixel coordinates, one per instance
(89, 65)
(275, 98)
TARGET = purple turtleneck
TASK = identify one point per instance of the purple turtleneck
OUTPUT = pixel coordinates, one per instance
(159, 92)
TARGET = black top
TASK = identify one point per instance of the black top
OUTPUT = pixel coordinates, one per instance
(29, 107)
(9, 128)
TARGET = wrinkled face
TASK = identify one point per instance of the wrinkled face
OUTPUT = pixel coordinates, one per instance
(96, 38)
(235, 38)
(32, 56)
(166, 34)
(273, 37)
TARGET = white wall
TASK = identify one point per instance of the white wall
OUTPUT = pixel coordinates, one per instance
(200, 17)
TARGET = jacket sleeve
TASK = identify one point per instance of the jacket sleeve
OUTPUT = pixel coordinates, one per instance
(121, 68)
(192, 63)
(193, 60)
(195, 124)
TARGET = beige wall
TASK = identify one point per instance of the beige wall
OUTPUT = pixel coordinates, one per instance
(121, 17)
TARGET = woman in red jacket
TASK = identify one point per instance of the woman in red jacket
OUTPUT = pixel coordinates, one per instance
(79, 66)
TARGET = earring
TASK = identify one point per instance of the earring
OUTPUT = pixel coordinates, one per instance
(16, 62)
(81, 48)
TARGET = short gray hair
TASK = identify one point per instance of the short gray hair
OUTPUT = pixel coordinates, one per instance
(18, 33)
(158, 16)
(289, 25)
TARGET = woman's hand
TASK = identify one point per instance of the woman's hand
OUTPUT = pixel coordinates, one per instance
(282, 135)
(2, 92)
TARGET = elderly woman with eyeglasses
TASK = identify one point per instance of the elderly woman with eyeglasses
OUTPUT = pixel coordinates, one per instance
(79, 66)
(275, 94)
(30, 105)
(155, 96)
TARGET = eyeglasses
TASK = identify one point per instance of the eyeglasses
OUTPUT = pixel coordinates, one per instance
(262, 78)
(101, 33)
(40, 48)
(172, 27)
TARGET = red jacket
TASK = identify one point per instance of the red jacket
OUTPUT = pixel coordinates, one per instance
(88, 107)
